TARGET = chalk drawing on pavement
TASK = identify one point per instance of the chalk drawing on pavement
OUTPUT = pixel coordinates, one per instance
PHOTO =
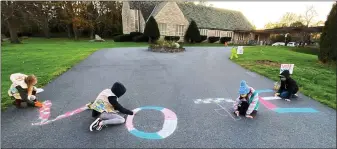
(270, 106)
(170, 124)
(229, 113)
(217, 101)
(211, 100)
(251, 74)
(45, 113)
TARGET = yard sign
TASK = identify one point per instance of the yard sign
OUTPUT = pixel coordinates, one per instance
(240, 50)
(289, 67)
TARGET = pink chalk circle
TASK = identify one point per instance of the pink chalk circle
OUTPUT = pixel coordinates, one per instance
(169, 126)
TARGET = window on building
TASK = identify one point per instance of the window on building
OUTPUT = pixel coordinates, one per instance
(180, 30)
(136, 21)
(203, 32)
(217, 33)
(162, 28)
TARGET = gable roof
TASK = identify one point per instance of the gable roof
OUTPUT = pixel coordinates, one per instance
(205, 17)
(145, 7)
(215, 18)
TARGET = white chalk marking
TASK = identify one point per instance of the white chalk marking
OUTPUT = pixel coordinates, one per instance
(229, 100)
(235, 119)
(208, 100)
(271, 98)
(216, 110)
(197, 101)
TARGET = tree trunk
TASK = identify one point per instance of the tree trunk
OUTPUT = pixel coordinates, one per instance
(92, 32)
(13, 31)
(45, 28)
(75, 32)
(150, 41)
(69, 30)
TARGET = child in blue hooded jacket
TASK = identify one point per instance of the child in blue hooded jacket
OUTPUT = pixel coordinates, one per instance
(248, 102)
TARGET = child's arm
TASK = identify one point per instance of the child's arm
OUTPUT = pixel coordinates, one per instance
(117, 106)
(236, 104)
(253, 104)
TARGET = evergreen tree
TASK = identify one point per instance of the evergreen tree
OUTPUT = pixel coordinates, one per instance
(151, 30)
(192, 33)
(328, 44)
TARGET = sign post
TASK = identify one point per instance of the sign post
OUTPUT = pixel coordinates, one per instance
(289, 67)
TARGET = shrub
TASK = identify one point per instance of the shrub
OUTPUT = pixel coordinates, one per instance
(140, 38)
(172, 38)
(213, 39)
(225, 39)
(116, 34)
(123, 38)
(202, 38)
(151, 29)
(165, 44)
(134, 34)
(192, 33)
(328, 44)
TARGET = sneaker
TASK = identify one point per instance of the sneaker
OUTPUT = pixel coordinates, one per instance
(295, 96)
(99, 127)
(287, 100)
(95, 124)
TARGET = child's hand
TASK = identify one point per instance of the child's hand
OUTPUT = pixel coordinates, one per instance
(237, 113)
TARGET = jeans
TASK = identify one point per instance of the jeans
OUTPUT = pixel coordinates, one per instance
(284, 94)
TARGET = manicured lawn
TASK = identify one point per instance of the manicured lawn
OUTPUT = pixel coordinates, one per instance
(48, 58)
(316, 80)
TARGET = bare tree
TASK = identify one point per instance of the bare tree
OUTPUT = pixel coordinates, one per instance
(309, 15)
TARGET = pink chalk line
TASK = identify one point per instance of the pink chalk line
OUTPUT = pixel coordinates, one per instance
(267, 104)
(45, 113)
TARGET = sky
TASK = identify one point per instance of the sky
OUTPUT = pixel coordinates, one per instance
(260, 13)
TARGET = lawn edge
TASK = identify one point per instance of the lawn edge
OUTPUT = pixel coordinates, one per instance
(304, 93)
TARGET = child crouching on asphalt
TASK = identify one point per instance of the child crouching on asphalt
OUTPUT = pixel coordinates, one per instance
(105, 106)
(248, 102)
(288, 88)
(23, 90)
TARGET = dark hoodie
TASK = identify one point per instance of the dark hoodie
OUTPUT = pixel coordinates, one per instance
(118, 89)
(289, 84)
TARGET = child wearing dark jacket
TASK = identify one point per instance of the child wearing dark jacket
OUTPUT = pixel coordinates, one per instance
(106, 105)
(288, 86)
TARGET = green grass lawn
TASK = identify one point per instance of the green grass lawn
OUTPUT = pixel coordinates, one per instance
(316, 80)
(48, 58)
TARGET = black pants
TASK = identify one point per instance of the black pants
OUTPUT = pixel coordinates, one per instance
(243, 107)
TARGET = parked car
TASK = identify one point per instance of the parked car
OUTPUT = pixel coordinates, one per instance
(278, 44)
(292, 44)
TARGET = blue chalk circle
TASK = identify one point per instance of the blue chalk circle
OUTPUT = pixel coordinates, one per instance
(151, 108)
(145, 135)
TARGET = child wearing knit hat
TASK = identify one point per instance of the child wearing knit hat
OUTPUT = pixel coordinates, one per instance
(248, 102)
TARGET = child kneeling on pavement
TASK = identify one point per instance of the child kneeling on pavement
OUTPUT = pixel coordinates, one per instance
(105, 106)
(248, 102)
(23, 90)
(288, 86)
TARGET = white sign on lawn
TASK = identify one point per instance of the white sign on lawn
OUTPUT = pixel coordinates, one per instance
(289, 67)
(239, 50)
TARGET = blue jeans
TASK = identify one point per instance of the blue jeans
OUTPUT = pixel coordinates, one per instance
(284, 94)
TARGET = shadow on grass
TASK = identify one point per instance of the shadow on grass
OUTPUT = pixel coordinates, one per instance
(306, 50)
